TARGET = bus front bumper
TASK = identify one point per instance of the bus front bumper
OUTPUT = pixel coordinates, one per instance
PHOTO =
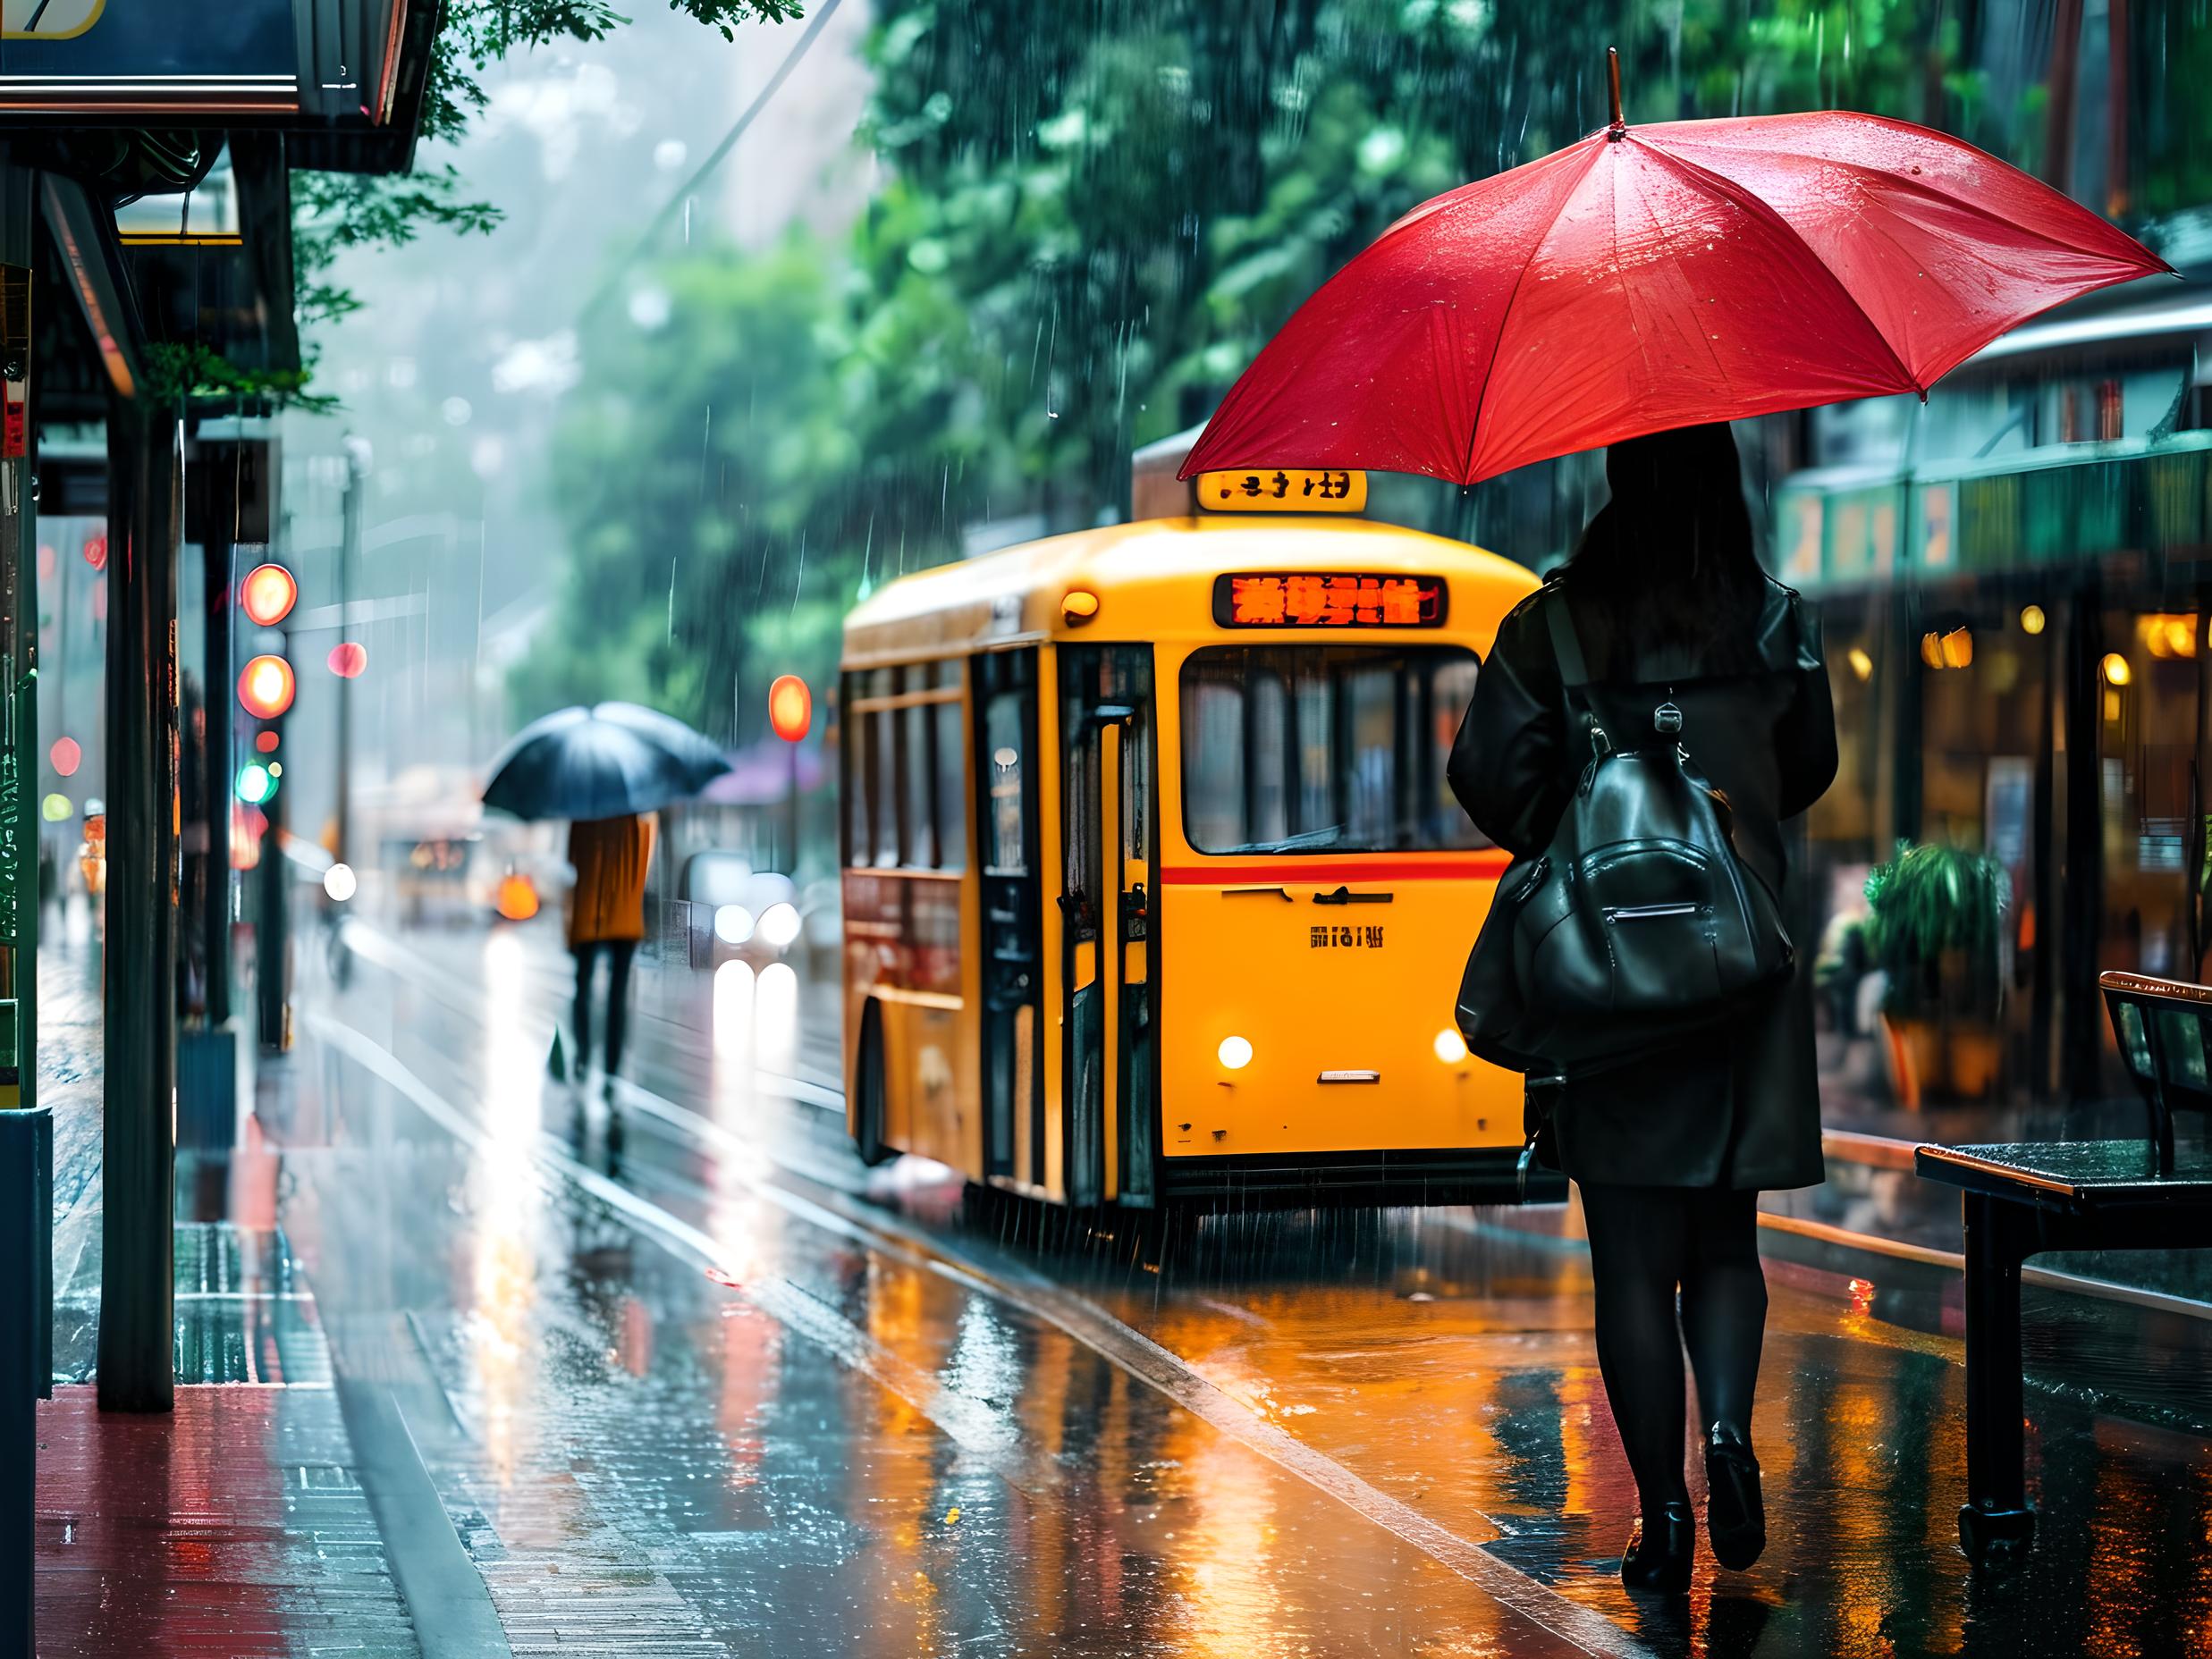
(1317, 1180)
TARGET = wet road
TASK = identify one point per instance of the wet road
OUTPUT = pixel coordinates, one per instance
(717, 1389)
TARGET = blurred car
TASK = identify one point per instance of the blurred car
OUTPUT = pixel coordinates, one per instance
(429, 876)
(730, 912)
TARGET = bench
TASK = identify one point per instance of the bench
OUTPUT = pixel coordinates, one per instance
(2024, 1198)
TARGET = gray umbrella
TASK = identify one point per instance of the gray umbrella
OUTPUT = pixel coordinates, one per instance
(601, 762)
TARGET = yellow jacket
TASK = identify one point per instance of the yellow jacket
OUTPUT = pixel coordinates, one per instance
(612, 857)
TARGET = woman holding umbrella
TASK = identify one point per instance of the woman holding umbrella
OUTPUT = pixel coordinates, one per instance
(1632, 285)
(1670, 1155)
(606, 918)
(604, 767)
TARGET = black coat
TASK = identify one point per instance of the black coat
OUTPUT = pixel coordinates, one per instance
(1739, 1107)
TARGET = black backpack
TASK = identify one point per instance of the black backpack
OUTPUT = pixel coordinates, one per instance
(1638, 926)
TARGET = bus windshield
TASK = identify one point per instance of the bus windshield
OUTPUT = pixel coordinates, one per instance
(1303, 748)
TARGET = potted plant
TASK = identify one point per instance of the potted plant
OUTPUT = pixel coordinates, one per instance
(1935, 928)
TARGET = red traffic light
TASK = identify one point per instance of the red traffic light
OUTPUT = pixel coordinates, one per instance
(791, 707)
(266, 686)
(268, 592)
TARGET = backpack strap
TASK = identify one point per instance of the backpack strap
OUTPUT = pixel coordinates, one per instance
(1567, 645)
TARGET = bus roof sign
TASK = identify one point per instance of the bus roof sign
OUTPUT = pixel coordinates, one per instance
(1285, 490)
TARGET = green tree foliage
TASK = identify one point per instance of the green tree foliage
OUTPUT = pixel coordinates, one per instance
(1086, 222)
(333, 212)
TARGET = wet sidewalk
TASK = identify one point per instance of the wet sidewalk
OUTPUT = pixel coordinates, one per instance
(883, 1407)
(235, 1525)
(701, 1387)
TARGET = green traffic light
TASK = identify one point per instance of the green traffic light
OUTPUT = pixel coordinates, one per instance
(255, 783)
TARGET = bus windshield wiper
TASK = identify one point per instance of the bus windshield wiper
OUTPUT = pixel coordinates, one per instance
(1310, 841)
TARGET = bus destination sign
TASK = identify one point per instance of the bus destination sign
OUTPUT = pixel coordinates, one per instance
(1327, 599)
(1283, 490)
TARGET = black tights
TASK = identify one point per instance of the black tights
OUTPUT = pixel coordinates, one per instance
(619, 952)
(1643, 1242)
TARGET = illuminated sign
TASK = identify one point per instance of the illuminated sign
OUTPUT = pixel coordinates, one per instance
(1327, 599)
(1282, 490)
(85, 58)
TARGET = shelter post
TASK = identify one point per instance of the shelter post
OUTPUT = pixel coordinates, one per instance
(138, 1172)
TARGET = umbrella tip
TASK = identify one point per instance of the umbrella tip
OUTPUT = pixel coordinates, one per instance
(1619, 128)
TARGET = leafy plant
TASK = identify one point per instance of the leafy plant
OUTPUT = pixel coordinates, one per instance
(174, 373)
(1936, 925)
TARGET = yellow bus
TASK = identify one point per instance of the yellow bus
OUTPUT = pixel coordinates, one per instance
(1154, 891)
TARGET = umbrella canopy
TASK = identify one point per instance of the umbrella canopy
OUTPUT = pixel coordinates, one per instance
(1661, 276)
(601, 762)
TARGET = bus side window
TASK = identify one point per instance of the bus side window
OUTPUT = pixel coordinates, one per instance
(883, 797)
(920, 772)
(951, 786)
(861, 850)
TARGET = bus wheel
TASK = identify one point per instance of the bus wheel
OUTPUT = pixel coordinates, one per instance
(868, 1133)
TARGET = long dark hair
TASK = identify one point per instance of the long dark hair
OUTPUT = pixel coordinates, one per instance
(1666, 571)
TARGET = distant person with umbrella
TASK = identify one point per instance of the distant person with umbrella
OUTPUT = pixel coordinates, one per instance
(607, 768)
(606, 918)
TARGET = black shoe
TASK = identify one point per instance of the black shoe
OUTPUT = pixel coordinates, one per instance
(1659, 1551)
(1736, 1515)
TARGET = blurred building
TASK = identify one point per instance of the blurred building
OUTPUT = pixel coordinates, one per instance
(2013, 579)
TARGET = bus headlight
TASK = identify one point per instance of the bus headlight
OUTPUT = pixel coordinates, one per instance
(1451, 1048)
(778, 925)
(1234, 1053)
(733, 924)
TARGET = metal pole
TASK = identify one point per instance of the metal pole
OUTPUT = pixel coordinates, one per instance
(272, 921)
(19, 639)
(791, 857)
(26, 1129)
(139, 1172)
(348, 550)
(219, 759)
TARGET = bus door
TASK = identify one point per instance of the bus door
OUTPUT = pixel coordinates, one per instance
(1005, 691)
(1106, 729)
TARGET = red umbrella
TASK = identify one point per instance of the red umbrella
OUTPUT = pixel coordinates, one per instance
(1659, 276)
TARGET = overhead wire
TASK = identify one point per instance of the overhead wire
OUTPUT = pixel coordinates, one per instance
(715, 157)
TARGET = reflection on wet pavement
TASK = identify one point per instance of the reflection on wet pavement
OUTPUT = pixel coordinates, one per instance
(840, 1440)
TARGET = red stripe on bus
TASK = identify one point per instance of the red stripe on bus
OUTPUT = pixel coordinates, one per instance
(1462, 867)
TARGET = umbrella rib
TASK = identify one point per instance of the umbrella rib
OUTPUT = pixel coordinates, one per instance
(1722, 185)
(1535, 246)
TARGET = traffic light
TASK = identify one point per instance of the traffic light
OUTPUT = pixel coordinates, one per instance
(268, 593)
(791, 707)
(266, 686)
